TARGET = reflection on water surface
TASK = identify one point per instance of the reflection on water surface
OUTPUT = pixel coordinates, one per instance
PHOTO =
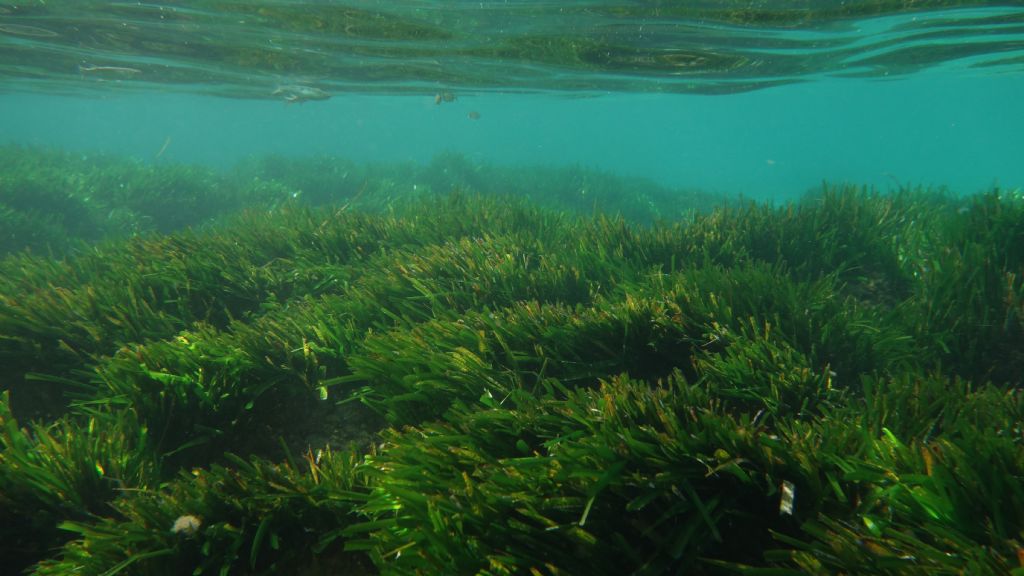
(250, 49)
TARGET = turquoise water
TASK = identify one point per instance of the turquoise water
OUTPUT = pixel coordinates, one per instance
(890, 97)
(439, 287)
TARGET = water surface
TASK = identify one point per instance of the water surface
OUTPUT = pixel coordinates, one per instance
(764, 99)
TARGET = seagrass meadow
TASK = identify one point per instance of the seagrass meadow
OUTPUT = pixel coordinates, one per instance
(313, 367)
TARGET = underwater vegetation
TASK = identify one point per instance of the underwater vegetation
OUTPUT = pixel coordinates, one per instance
(52, 201)
(475, 377)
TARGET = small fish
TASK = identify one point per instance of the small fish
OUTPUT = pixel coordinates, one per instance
(292, 93)
(167, 142)
(473, 115)
(108, 71)
(444, 96)
(30, 31)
